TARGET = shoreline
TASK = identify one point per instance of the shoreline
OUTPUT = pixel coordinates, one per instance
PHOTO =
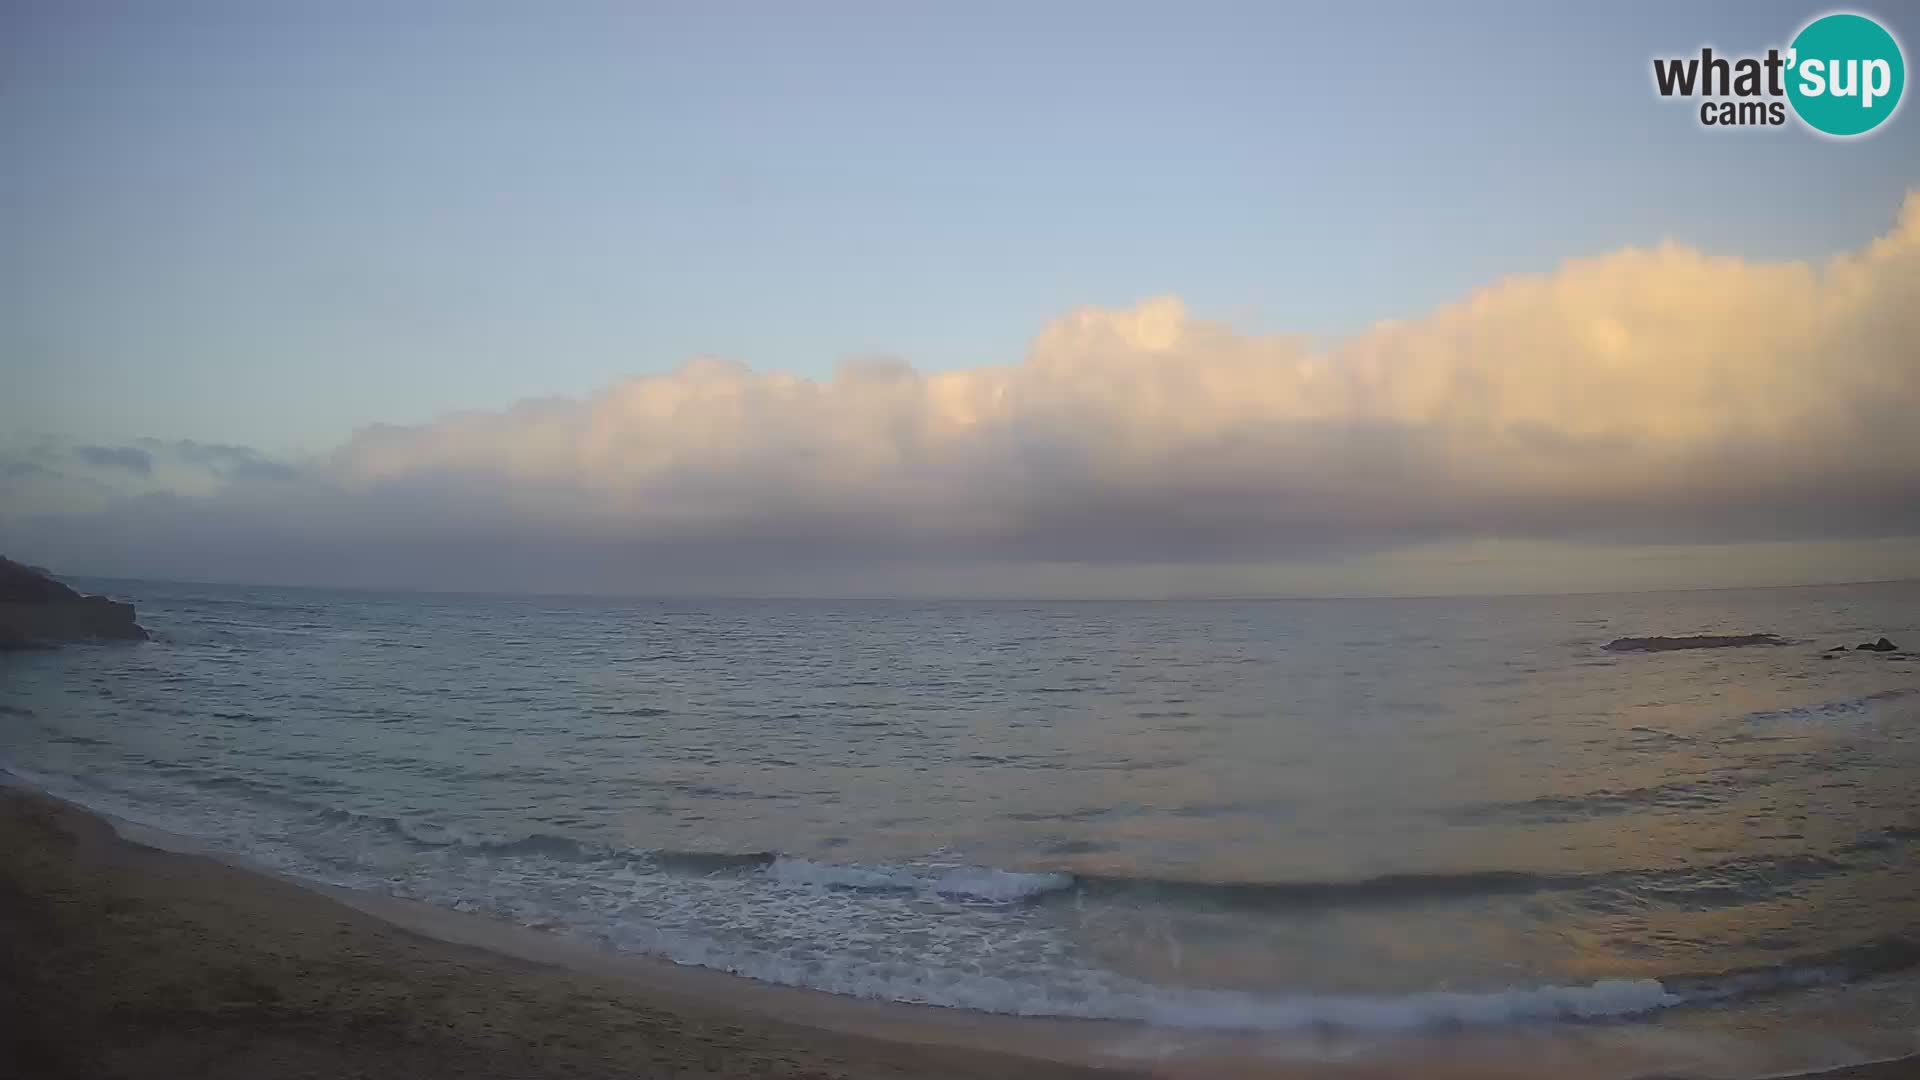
(142, 957)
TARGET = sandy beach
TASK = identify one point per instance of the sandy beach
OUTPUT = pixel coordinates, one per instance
(130, 961)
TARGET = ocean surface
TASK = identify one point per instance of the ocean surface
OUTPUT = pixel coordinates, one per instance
(1375, 815)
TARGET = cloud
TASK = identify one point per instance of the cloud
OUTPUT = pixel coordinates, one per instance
(131, 458)
(1659, 395)
(1648, 389)
(224, 460)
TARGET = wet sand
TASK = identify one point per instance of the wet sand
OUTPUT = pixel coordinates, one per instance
(123, 960)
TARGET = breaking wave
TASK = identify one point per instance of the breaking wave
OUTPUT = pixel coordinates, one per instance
(1730, 881)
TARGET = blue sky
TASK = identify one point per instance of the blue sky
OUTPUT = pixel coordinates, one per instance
(270, 224)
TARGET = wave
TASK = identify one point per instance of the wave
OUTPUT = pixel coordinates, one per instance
(1706, 885)
(1676, 795)
(1694, 793)
(1717, 884)
(1838, 709)
(979, 884)
(1710, 885)
(432, 834)
(983, 884)
(1385, 889)
(1884, 956)
(833, 926)
(1725, 883)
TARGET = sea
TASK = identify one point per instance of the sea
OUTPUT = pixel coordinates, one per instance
(1378, 817)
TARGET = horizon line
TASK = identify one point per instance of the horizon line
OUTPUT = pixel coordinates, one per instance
(1209, 598)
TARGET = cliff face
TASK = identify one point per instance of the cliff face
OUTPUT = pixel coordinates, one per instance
(36, 611)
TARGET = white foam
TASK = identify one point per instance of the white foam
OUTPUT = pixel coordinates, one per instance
(980, 883)
(998, 886)
(435, 835)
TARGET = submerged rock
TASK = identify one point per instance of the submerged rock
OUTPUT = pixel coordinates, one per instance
(1883, 645)
(36, 611)
(1698, 641)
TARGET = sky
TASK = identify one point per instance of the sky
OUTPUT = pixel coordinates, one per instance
(1111, 299)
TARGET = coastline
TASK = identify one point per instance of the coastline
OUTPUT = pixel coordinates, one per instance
(138, 959)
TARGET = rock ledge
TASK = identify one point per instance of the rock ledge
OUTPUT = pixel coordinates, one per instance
(38, 612)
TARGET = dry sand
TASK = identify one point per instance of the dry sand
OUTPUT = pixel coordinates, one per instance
(122, 960)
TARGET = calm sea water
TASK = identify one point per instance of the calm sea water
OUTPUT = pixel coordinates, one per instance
(1370, 814)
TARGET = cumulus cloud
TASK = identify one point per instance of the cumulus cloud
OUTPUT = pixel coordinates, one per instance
(1648, 395)
(1627, 390)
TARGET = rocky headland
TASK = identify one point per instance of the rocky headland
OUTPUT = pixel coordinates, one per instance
(38, 612)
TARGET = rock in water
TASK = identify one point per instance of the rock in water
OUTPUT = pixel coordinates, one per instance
(36, 611)
(1883, 645)
(1699, 641)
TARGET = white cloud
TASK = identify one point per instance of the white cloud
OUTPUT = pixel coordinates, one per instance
(1652, 395)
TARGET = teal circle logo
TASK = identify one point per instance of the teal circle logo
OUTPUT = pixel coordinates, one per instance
(1845, 74)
